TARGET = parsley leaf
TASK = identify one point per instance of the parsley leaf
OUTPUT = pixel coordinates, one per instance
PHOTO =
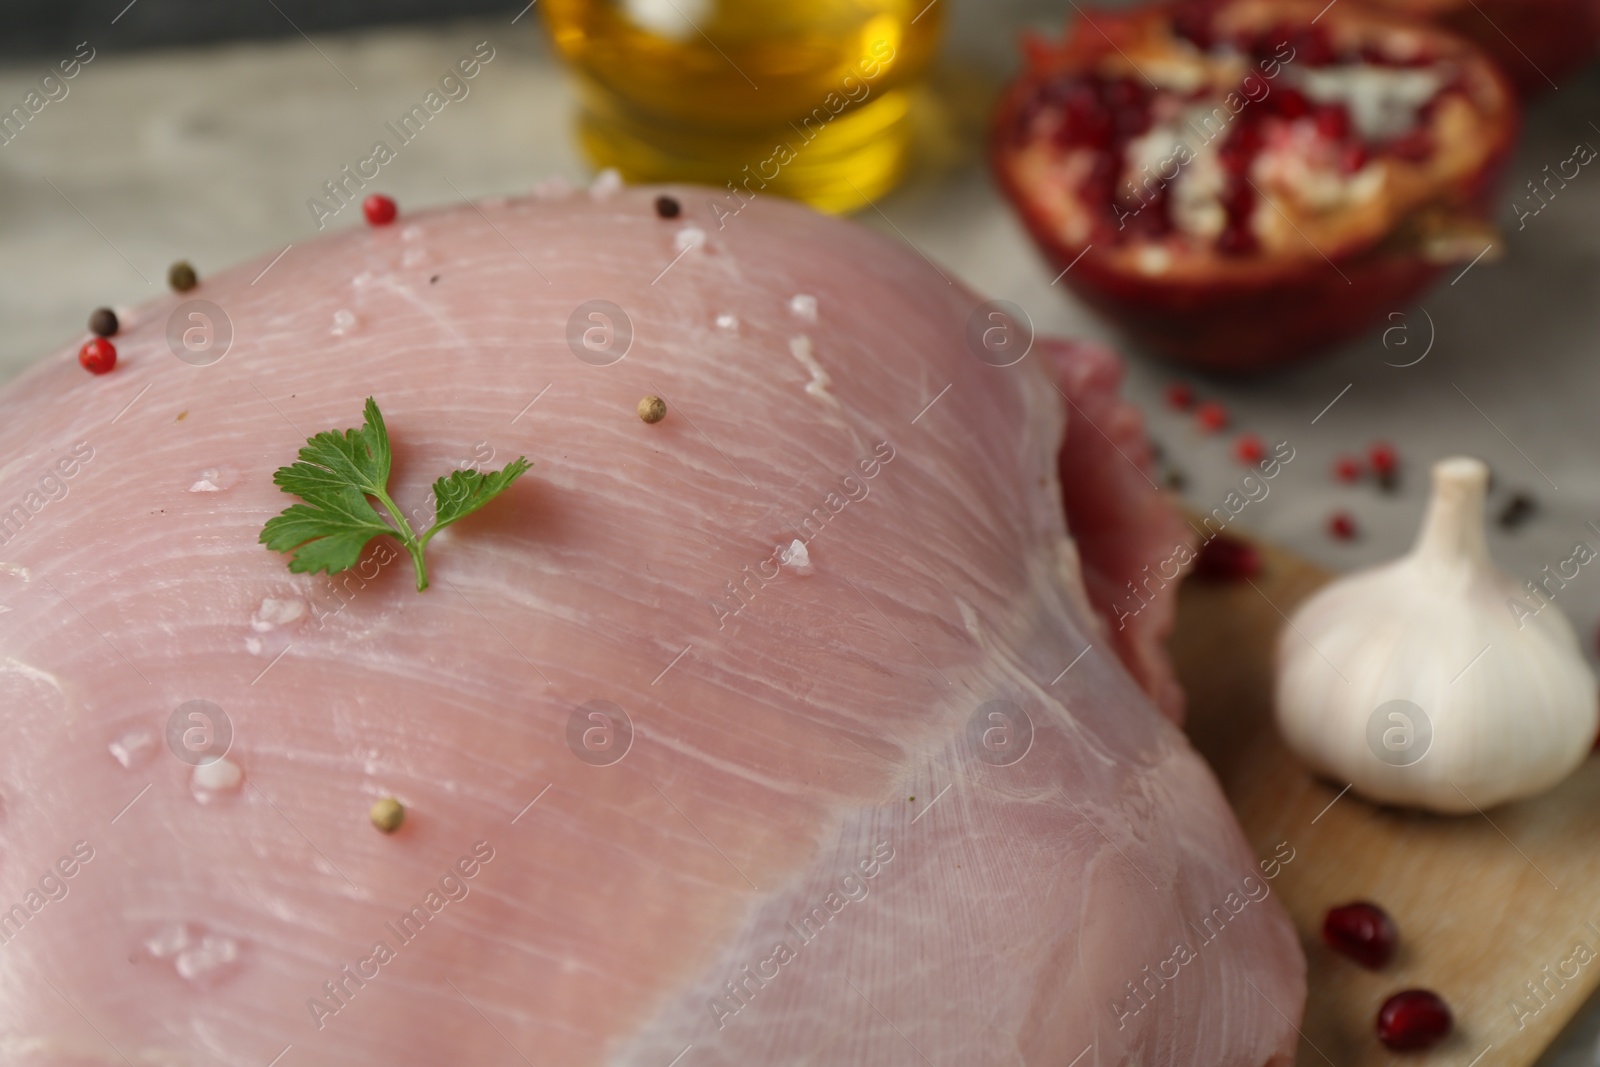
(464, 492)
(336, 472)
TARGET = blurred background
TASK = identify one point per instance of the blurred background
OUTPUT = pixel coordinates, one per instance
(199, 131)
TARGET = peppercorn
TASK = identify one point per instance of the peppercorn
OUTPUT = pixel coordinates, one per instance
(387, 814)
(380, 210)
(1517, 511)
(1383, 457)
(1179, 396)
(1211, 416)
(667, 207)
(1249, 449)
(652, 409)
(181, 277)
(98, 356)
(103, 322)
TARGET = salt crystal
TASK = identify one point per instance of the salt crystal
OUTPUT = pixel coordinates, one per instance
(169, 940)
(207, 959)
(689, 237)
(133, 747)
(606, 184)
(275, 612)
(796, 556)
(218, 776)
(214, 480)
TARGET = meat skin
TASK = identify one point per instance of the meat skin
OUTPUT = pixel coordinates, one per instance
(790, 733)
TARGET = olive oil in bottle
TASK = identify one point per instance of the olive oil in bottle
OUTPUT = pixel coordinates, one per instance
(810, 99)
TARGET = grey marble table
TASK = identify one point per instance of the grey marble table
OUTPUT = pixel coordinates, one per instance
(211, 154)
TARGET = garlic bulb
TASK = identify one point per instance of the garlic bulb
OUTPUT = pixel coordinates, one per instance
(1429, 681)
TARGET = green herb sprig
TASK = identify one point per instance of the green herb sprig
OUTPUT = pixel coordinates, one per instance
(337, 472)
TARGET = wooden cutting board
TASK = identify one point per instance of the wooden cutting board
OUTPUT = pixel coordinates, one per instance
(1484, 903)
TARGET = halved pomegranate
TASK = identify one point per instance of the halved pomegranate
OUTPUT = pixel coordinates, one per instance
(1243, 182)
(1538, 42)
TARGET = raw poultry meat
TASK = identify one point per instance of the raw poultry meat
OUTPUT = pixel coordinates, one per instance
(885, 792)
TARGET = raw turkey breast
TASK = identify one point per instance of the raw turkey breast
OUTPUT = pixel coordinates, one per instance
(782, 731)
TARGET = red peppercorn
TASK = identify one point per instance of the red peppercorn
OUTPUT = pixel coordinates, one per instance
(1249, 449)
(379, 209)
(98, 356)
(1383, 458)
(1227, 559)
(1413, 1019)
(1342, 526)
(1212, 416)
(1180, 397)
(1362, 931)
(1347, 469)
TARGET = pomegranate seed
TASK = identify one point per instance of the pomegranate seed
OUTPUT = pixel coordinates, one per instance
(1347, 469)
(1237, 240)
(1249, 450)
(98, 356)
(1333, 122)
(1383, 457)
(1268, 42)
(1312, 47)
(1180, 397)
(1227, 559)
(1352, 157)
(1342, 526)
(1413, 1019)
(1100, 184)
(1362, 931)
(1129, 107)
(379, 209)
(1085, 119)
(1194, 25)
(1292, 103)
(1241, 147)
(1239, 204)
(1211, 416)
(1414, 147)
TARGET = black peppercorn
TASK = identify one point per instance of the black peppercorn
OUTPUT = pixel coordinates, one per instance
(1517, 511)
(182, 277)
